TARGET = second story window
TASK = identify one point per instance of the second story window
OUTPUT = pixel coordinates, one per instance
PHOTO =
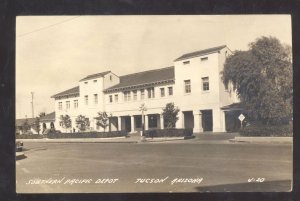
(110, 99)
(75, 103)
(110, 78)
(205, 84)
(67, 105)
(116, 98)
(85, 82)
(150, 92)
(186, 62)
(135, 95)
(60, 105)
(187, 86)
(95, 81)
(204, 58)
(170, 91)
(127, 96)
(96, 99)
(162, 92)
(86, 100)
(142, 94)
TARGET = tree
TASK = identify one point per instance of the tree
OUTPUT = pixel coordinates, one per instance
(82, 122)
(37, 125)
(25, 126)
(42, 114)
(102, 120)
(170, 113)
(262, 77)
(66, 121)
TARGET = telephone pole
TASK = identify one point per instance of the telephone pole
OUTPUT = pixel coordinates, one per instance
(32, 104)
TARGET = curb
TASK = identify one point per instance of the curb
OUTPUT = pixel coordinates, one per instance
(285, 140)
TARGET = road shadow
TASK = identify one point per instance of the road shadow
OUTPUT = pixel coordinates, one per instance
(267, 186)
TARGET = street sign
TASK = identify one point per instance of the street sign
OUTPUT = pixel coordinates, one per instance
(241, 117)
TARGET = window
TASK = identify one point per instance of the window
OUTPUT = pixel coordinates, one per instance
(170, 91)
(152, 121)
(67, 105)
(85, 82)
(86, 100)
(127, 96)
(186, 62)
(95, 81)
(205, 83)
(75, 103)
(116, 98)
(135, 95)
(110, 78)
(150, 92)
(96, 99)
(162, 92)
(142, 94)
(110, 98)
(60, 105)
(187, 86)
(204, 58)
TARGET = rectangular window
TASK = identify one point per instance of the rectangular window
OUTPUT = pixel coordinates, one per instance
(170, 91)
(142, 94)
(60, 105)
(186, 62)
(86, 100)
(135, 95)
(162, 92)
(85, 82)
(110, 98)
(116, 98)
(204, 58)
(150, 92)
(110, 78)
(75, 103)
(67, 105)
(205, 84)
(95, 81)
(187, 86)
(96, 99)
(127, 96)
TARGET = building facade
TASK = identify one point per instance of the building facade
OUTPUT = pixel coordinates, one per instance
(194, 84)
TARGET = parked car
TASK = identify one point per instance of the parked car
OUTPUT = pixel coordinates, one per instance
(19, 146)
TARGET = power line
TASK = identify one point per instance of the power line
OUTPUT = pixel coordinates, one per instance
(46, 27)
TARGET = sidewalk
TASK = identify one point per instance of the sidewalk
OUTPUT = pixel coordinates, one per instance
(285, 140)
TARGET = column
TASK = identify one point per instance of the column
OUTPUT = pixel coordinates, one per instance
(119, 124)
(179, 123)
(146, 122)
(223, 121)
(218, 116)
(132, 124)
(197, 121)
(161, 121)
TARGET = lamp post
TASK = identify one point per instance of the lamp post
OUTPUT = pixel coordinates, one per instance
(143, 108)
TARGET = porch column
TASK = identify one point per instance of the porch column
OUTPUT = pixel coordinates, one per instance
(224, 121)
(197, 121)
(132, 123)
(146, 122)
(218, 118)
(161, 121)
(119, 124)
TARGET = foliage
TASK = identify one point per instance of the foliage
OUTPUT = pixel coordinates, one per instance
(102, 120)
(52, 125)
(66, 121)
(262, 77)
(25, 126)
(37, 125)
(171, 132)
(53, 135)
(29, 136)
(82, 123)
(42, 114)
(170, 115)
(268, 130)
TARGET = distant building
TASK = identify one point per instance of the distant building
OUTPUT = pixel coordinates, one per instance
(47, 121)
(194, 84)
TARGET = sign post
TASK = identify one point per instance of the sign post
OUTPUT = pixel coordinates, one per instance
(241, 118)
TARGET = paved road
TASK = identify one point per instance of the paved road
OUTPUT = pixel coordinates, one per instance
(96, 167)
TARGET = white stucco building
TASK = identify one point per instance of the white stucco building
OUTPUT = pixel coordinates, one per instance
(193, 84)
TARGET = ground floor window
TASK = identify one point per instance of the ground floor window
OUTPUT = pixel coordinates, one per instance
(138, 122)
(152, 121)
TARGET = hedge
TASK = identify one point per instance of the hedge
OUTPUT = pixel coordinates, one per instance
(268, 130)
(169, 132)
(29, 136)
(87, 135)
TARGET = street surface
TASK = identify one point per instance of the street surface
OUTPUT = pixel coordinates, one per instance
(182, 166)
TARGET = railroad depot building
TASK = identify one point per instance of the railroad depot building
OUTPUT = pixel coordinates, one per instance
(194, 84)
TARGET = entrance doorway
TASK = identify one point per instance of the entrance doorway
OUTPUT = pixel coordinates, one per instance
(207, 121)
(127, 121)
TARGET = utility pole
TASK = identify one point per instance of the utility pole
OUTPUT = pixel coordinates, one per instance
(32, 104)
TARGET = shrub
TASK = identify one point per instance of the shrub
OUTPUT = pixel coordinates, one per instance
(268, 130)
(87, 135)
(170, 132)
(28, 136)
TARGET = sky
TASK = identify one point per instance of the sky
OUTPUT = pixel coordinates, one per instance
(54, 52)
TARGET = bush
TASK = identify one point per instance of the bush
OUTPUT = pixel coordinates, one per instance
(53, 135)
(268, 130)
(170, 132)
(29, 136)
